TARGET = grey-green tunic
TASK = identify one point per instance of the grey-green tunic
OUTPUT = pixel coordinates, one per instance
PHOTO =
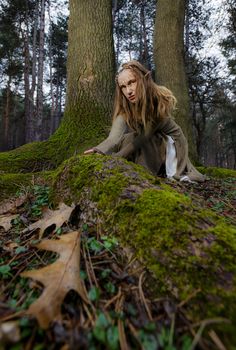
(149, 148)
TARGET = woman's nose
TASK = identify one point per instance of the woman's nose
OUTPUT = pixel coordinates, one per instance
(129, 90)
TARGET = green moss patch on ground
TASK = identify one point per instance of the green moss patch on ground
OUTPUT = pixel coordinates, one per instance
(218, 172)
(10, 184)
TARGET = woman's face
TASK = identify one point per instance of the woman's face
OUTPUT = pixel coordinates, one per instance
(128, 84)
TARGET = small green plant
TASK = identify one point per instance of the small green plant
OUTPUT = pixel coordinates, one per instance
(110, 287)
(17, 223)
(20, 250)
(94, 294)
(5, 271)
(106, 333)
(41, 195)
(109, 242)
(96, 246)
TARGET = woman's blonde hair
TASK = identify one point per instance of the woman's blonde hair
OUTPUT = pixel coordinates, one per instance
(154, 101)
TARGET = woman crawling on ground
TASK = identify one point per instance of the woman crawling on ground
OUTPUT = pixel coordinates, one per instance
(143, 130)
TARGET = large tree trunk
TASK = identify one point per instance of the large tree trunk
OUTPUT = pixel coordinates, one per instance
(169, 60)
(90, 67)
(90, 56)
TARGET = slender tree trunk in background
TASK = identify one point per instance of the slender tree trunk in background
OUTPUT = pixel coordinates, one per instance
(6, 115)
(38, 133)
(117, 39)
(169, 60)
(114, 9)
(26, 81)
(52, 111)
(144, 51)
(30, 131)
(186, 44)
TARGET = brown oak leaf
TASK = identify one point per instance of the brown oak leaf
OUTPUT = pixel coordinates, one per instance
(58, 278)
(5, 221)
(10, 206)
(52, 218)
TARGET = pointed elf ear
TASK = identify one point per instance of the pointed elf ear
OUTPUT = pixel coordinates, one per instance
(148, 74)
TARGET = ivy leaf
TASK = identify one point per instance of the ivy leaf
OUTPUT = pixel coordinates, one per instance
(20, 249)
(113, 338)
(5, 270)
(102, 321)
(94, 294)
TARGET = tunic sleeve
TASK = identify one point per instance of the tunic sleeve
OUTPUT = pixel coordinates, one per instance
(165, 125)
(138, 141)
(111, 143)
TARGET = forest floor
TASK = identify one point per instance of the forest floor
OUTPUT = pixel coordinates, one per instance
(117, 311)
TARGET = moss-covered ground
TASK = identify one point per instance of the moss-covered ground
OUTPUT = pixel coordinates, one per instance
(184, 233)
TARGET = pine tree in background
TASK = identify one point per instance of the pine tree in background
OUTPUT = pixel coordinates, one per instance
(229, 44)
(11, 70)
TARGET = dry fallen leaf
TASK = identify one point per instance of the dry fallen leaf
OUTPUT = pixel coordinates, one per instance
(9, 332)
(58, 278)
(10, 246)
(52, 218)
(10, 206)
(5, 221)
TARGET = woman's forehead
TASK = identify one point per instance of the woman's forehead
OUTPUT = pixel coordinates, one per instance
(125, 76)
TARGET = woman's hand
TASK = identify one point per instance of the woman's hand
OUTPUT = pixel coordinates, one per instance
(93, 150)
(90, 151)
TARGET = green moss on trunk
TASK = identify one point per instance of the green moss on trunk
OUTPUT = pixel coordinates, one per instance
(72, 137)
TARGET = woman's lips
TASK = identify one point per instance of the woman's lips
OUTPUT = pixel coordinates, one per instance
(132, 97)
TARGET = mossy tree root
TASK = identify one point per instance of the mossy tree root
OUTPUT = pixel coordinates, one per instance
(186, 247)
(80, 129)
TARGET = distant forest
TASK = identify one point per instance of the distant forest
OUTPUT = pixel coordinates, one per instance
(33, 56)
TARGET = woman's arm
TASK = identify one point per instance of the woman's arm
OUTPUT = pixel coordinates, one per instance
(111, 143)
(138, 141)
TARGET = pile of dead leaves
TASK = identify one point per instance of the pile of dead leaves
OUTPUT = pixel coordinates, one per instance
(65, 285)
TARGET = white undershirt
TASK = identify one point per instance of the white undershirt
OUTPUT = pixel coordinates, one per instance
(171, 159)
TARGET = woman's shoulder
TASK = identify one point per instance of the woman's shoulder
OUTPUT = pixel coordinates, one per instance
(120, 118)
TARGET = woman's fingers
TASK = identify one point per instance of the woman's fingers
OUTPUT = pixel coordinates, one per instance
(89, 151)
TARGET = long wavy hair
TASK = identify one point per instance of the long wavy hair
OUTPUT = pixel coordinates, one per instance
(154, 101)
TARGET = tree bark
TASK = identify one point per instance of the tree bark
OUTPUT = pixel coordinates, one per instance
(90, 54)
(169, 60)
